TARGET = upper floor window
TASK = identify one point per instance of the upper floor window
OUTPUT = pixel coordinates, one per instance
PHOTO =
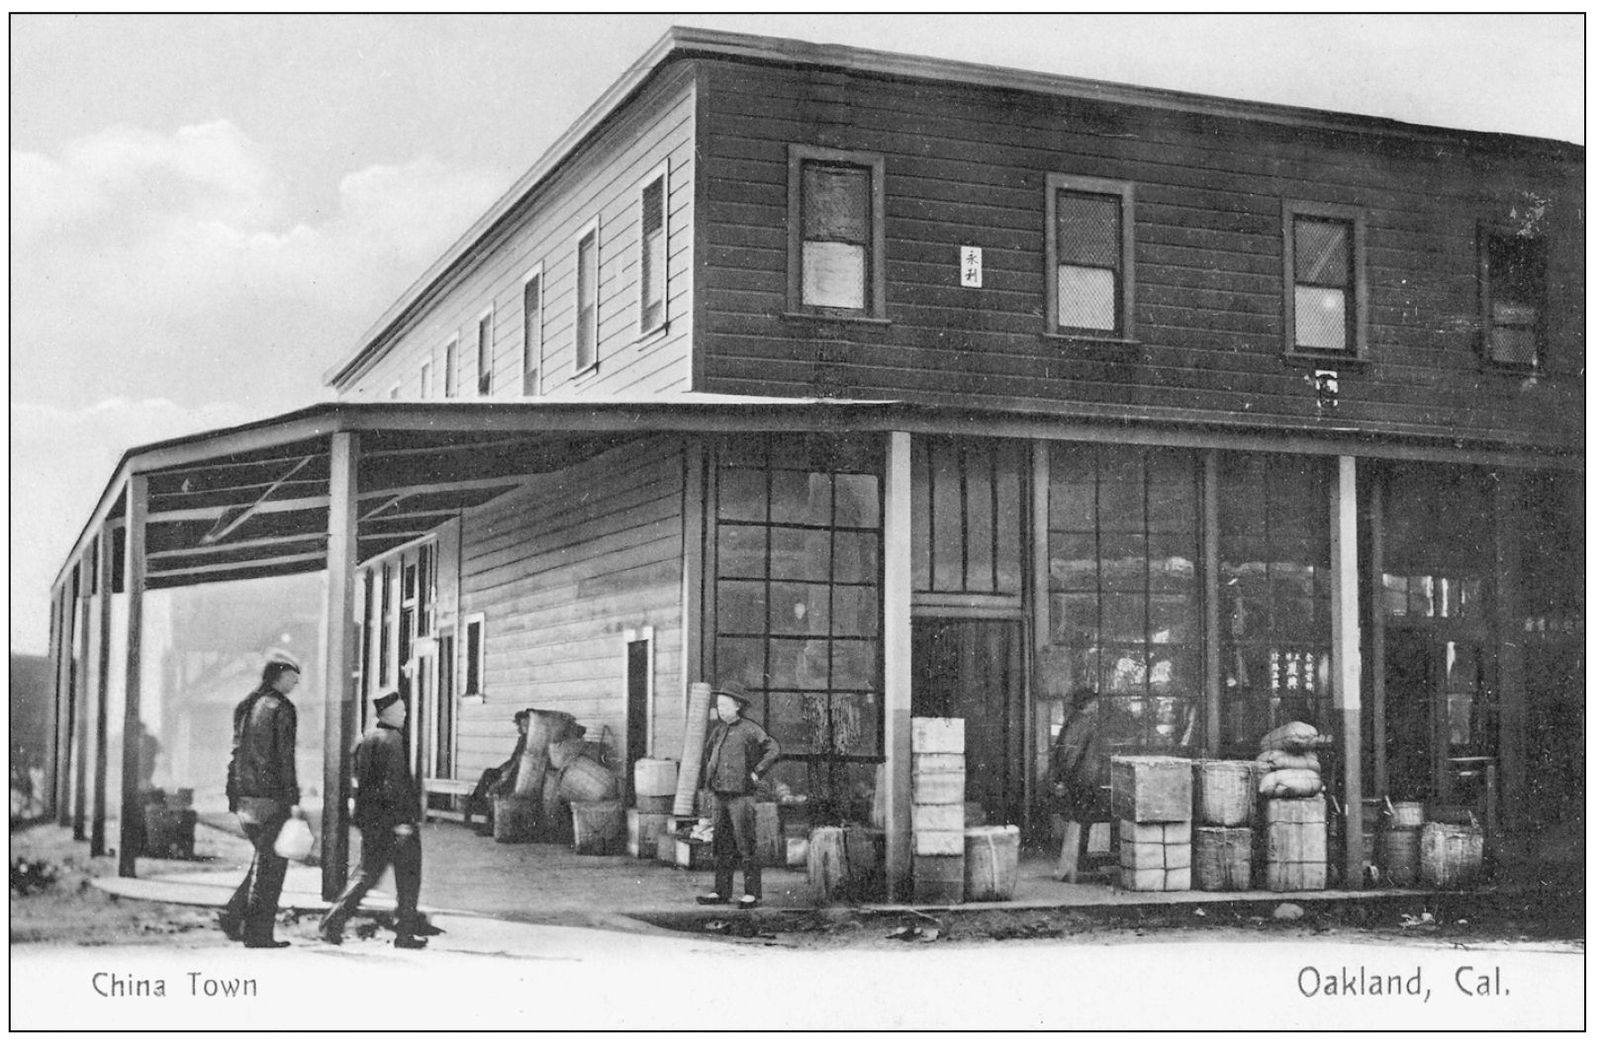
(533, 327)
(655, 251)
(423, 379)
(585, 280)
(1090, 234)
(450, 367)
(1513, 298)
(1323, 257)
(837, 227)
(487, 348)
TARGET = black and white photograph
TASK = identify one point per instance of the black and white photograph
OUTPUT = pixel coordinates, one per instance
(813, 521)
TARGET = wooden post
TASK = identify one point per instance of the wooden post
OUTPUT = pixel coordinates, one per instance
(134, 588)
(1039, 614)
(1346, 653)
(52, 756)
(1212, 631)
(1379, 641)
(340, 706)
(1510, 658)
(83, 724)
(97, 824)
(694, 508)
(66, 685)
(899, 641)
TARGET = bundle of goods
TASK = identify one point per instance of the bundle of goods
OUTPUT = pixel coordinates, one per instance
(938, 793)
(1152, 800)
(844, 863)
(1288, 764)
(991, 863)
(1223, 839)
(1451, 854)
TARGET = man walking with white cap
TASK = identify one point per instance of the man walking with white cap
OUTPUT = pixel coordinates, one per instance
(262, 789)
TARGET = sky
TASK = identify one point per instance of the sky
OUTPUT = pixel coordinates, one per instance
(208, 211)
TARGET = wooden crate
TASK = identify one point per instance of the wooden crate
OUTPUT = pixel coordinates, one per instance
(939, 879)
(938, 736)
(938, 788)
(939, 842)
(1152, 855)
(939, 817)
(641, 830)
(1221, 858)
(1155, 833)
(1152, 789)
(1179, 879)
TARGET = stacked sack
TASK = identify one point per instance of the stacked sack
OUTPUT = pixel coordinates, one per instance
(1288, 764)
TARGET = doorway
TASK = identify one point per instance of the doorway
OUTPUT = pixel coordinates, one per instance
(973, 669)
(1440, 717)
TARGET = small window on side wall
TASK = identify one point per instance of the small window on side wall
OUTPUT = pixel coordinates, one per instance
(1513, 285)
(487, 351)
(837, 231)
(1091, 291)
(1324, 296)
(449, 369)
(586, 273)
(654, 271)
(474, 654)
(534, 326)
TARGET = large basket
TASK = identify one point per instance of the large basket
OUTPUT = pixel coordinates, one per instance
(598, 827)
(1224, 792)
(1221, 858)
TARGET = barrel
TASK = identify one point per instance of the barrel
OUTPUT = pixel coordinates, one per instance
(1451, 855)
(513, 818)
(554, 819)
(1399, 853)
(1221, 858)
(588, 780)
(598, 827)
(1409, 813)
(655, 778)
(560, 754)
(696, 731)
(545, 728)
(991, 863)
(1225, 792)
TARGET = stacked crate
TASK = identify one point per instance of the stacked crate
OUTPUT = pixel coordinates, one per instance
(1152, 799)
(655, 782)
(1295, 844)
(1223, 839)
(938, 792)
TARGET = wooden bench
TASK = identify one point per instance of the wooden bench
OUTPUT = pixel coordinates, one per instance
(452, 789)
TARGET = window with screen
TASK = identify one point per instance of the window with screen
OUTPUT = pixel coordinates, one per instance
(654, 252)
(1275, 596)
(1124, 599)
(1513, 299)
(1325, 296)
(836, 226)
(1090, 233)
(450, 368)
(797, 610)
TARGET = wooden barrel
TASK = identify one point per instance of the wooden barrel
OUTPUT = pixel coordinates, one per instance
(1399, 855)
(1295, 844)
(545, 728)
(1451, 855)
(655, 778)
(991, 863)
(554, 817)
(1409, 813)
(1221, 858)
(696, 731)
(588, 780)
(513, 818)
(598, 827)
(1225, 792)
(560, 754)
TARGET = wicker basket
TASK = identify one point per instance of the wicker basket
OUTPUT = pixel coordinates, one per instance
(1221, 858)
(1451, 855)
(1225, 792)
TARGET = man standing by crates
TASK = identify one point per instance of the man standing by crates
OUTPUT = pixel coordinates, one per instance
(737, 755)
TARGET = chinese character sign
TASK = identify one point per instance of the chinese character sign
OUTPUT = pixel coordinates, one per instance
(970, 266)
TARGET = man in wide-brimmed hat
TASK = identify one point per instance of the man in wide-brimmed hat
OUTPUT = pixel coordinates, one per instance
(737, 755)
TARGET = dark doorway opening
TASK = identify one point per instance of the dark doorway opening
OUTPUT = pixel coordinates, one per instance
(973, 669)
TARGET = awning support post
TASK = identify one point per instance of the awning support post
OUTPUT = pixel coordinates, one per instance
(1346, 654)
(899, 642)
(134, 587)
(340, 707)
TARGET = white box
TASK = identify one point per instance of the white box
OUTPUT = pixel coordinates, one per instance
(939, 817)
(938, 842)
(938, 735)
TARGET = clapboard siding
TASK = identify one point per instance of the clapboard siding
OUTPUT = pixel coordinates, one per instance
(561, 570)
(602, 181)
(966, 165)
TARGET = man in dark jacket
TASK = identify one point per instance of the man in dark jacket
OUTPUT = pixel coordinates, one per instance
(263, 791)
(497, 780)
(737, 755)
(1078, 780)
(387, 814)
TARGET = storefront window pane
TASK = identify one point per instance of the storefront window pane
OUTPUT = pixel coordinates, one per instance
(742, 494)
(799, 554)
(800, 498)
(741, 607)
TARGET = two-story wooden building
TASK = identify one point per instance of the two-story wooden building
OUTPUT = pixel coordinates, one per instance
(891, 386)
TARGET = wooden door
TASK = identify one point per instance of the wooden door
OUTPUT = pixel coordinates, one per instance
(972, 669)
